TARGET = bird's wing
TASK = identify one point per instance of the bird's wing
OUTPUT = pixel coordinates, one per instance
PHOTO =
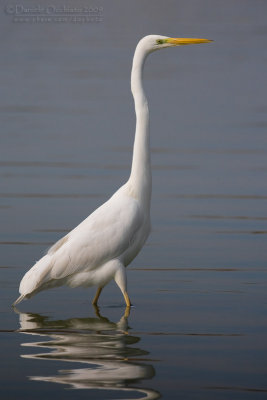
(104, 235)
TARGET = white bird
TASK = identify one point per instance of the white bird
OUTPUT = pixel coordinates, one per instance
(100, 247)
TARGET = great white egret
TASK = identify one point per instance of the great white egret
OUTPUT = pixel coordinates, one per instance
(100, 247)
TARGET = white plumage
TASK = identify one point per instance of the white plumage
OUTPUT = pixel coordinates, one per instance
(94, 252)
(100, 247)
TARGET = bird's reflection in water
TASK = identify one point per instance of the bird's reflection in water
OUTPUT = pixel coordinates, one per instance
(105, 346)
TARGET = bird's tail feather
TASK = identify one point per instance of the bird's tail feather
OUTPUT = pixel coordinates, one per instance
(19, 299)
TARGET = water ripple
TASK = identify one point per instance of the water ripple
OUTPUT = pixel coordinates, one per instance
(219, 196)
(230, 217)
(24, 243)
(51, 195)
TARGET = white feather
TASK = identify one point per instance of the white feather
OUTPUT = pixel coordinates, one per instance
(115, 231)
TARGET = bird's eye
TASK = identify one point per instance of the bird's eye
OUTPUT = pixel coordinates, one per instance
(160, 41)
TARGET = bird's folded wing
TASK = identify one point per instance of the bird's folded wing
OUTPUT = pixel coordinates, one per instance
(104, 235)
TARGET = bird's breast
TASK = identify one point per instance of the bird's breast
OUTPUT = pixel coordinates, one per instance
(136, 243)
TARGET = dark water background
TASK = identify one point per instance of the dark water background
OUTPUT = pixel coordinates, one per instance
(199, 322)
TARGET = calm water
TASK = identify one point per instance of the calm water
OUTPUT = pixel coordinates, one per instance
(198, 328)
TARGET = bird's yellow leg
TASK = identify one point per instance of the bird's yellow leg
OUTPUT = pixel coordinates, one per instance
(121, 280)
(97, 312)
(126, 298)
(99, 290)
(127, 312)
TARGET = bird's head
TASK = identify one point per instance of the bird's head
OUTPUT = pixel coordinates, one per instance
(156, 42)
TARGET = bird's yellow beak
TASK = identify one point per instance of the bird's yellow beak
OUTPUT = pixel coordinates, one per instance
(184, 41)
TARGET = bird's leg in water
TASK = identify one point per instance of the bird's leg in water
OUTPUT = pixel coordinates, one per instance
(126, 298)
(97, 312)
(121, 280)
(99, 290)
(127, 312)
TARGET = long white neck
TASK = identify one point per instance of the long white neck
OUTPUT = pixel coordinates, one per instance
(140, 178)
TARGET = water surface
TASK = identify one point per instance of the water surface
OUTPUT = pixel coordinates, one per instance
(198, 326)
